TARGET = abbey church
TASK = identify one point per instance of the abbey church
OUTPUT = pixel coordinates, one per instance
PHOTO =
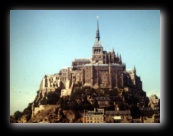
(104, 70)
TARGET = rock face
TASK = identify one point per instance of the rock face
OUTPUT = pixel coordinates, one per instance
(45, 114)
(52, 114)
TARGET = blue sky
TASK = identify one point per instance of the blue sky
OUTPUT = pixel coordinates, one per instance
(44, 41)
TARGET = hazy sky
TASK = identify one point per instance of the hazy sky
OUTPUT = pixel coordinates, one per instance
(44, 41)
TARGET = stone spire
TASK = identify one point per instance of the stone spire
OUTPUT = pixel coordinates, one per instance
(97, 32)
(113, 50)
(124, 66)
(97, 41)
(120, 59)
(134, 69)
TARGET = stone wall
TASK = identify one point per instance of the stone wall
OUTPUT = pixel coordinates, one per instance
(42, 107)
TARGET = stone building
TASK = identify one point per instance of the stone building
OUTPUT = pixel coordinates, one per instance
(104, 70)
(96, 116)
(116, 116)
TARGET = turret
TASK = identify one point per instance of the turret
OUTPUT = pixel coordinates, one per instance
(134, 70)
(120, 60)
(97, 50)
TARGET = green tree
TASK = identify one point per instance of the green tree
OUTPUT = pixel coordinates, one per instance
(12, 119)
(28, 111)
(76, 94)
(43, 101)
(135, 112)
(65, 103)
(52, 97)
(74, 105)
(96, 105)
(17, 115)
(114, 92)
(60, 101)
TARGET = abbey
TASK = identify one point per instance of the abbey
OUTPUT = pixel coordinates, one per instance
(104, 70)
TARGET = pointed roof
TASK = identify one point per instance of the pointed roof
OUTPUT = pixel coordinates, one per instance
(120, 59)
(97, 32)
(97, 41)
(113, 50)
(134, 68)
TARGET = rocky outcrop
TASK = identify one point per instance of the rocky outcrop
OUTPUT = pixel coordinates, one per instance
(53, 114)
(45, 114)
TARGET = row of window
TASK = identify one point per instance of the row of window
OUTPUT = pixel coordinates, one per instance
(98, 57)
(64, 70)
(93, 118)
(94, 121)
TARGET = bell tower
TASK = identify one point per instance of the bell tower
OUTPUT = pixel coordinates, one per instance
(97, 50)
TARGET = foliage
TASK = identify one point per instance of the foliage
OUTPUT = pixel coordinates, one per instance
(17, 115)
(73, 105)
(114, 92)
(135, 112)
(60, 101)
(52, 97)
(95, 105)
(123, 106)
(65, 103)
(28, 110)
(76, 93)
(12, 119)
(43, 101)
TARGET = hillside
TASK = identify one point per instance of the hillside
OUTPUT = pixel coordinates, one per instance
(55, 109)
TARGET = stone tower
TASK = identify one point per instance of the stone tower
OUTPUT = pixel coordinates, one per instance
(97, 50)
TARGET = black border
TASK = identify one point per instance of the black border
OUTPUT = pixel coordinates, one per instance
(83, 5)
